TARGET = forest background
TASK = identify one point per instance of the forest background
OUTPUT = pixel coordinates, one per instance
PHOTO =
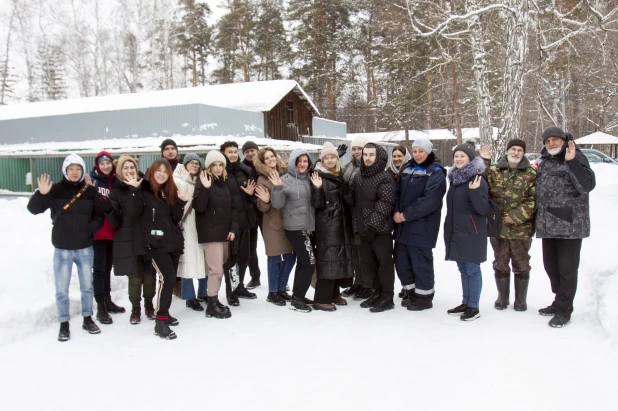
(517, 65)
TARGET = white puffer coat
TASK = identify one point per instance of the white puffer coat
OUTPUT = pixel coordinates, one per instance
(192, 262)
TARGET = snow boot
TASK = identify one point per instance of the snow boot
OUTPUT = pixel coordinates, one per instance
(135, 317)
(111, 307)
(420, 304)
(298, 304)
(503, 283)
(340, 301)
(351, 291)
(459, 310)
(283, 294)
(255, 282)
(65, 333)
(559, 321)
(90, 326)
(384, 303)
(242, 292)
(470, 314)
(194, 305)
(547, 311)
(222, 307)
(149, 309)
(102, 315)
(521, 292)
(162, 329)
(324, 307)
(369, 302)
(363, 294)
(407, 298)
(171, 320)
(214, 310)
(275, 298)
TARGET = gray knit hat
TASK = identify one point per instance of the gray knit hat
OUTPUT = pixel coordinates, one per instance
(191, 157)
(423, 143)
(467, 147)
(553, 131)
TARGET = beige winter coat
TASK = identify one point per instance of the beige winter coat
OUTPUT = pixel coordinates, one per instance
(272, 223)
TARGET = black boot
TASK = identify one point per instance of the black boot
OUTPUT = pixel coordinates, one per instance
(111, 307)
(90, 326)
(351, 291)
(363, 294)
(521, 292)
(242, 292)
(503, 283)
(231, 300)
(385, 303)
(194, 305)
(171, 320)
(64, 334)
(102, 316)
(214, 310)
(163, 330)
(420, 304)
(276, 299)
(369, 302)
(407, 298)
(255, 282)
(222, 307)
(283, 294)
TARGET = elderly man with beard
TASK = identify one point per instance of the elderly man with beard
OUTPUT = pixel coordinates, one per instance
(372, 192)
(512, 186)
(563, 184)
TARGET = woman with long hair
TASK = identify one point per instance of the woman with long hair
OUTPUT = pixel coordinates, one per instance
(217, 225)
(281, 257)
(156, 202)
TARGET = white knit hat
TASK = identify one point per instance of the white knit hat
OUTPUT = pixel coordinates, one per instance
(327, 149)
(423, 143)
(212, 157)
(359, 141)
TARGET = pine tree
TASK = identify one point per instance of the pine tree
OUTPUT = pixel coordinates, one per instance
(51, 72)
(194, 39)
(272, 48)
(7, 79)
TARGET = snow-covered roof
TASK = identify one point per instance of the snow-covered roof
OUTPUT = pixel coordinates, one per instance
(432, 134)
(185, 144)
(257, 96)
(598, 138)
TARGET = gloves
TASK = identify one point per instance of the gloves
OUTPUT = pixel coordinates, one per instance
(341, 150)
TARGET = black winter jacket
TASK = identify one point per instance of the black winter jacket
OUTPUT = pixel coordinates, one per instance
(215, 213)
(465, 227)
(373, 192)
(155, 215)
(239, 175)
(73, 228)
(254, 176)
(420, 194)
(127, 228)
(333, 236)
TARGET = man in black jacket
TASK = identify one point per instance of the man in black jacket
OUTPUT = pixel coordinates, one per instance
(373, 192)
(249, 150)
(563, 182)
(77, 213)
(241, 188)
(169, 151)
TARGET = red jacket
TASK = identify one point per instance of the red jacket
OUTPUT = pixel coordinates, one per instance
(103, 184)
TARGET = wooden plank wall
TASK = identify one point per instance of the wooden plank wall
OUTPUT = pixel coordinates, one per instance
(276, 123)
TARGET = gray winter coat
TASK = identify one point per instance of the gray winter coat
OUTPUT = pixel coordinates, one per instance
(562, 198)
(294, 197)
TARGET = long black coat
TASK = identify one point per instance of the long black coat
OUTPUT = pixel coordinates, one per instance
(238, 175)
(155, 214)
(333, 233)
(215, 213)
(465, 227)
(127, 228)
(73, 228)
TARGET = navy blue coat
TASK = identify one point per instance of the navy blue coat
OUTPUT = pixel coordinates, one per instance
(465, 227)
(420, 191)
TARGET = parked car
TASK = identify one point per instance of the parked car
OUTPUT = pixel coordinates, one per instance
(596, 156)
(534, 159)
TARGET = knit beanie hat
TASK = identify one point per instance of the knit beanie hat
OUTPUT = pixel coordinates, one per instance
(516, 142)
(423, 143)
(191, 157)
(553, 131)
(248, 146)
(168, 142)
(104, 156)
(359, 141)
(467, 147)
(328, 148)
(214, 156)
(123, 159)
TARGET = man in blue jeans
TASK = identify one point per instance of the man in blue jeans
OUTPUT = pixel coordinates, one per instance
(76, 212)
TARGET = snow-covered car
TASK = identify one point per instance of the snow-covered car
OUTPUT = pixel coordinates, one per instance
(534, 159)
(596, 156)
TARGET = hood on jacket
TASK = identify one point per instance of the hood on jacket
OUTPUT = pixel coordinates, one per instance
(120, 162)
(297, 152)
(96, 163)
(431, 159)
(406, 159)
(73, 159)
(464, 174)
(569, 137)
(262, 169)
(378, 166)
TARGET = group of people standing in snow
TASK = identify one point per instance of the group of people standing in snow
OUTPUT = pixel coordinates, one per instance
(344, 227)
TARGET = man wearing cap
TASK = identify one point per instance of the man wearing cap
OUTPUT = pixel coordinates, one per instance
(563, 182)
(249, 150)
(169, 151)
(420, 192)
(512, 187)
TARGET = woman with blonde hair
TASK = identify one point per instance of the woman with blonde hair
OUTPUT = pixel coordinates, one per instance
(281, 257)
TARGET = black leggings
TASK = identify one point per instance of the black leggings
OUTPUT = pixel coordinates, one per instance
(102, 269)
(305, 261)
(166, 272)
(254, 267)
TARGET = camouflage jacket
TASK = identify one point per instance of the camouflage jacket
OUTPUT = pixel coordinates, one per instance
(513, 189)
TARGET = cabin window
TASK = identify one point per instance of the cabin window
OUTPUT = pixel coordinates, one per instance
(290, 111)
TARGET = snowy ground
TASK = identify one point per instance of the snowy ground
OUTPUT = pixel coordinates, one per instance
(270, 358)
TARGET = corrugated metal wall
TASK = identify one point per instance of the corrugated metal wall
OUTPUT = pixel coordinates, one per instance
(13, 174)
(328, 128)
(51, 166)
(194, 119)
